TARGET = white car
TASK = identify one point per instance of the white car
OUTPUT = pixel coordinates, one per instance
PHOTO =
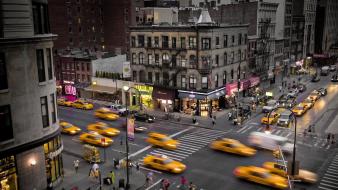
(118, 109)
(293, 93)
(271, 104)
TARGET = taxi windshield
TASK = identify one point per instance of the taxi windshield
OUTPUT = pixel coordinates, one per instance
(165, 139)
(284, 116)
(299, 108)
(167, 161)
(68, 125)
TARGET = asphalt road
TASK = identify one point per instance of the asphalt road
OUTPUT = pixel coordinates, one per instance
(209, 169)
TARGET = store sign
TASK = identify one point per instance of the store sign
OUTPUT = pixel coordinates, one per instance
(51, 155)
(70, 90)
(191, 95)
(126, 70)
(130, 129)
(268, 94)
(254, 81)
(68, 82)
(231, 88)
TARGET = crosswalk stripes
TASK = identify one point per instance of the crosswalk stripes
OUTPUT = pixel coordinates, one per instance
(329, 180)
(190, 143)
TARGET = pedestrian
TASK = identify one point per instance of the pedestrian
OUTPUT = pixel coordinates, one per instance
(328, 138)
(166, 184)
(183, 181)
(121, 140)
(192, 186)
(76, 165)
(137, 166)
(213, 121)
(194, 120)
(229, 115)
(95, 170)
(280, 88)
(332, 139)
(112, 177)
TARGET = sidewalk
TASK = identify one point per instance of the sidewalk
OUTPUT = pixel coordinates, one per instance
(82, 181)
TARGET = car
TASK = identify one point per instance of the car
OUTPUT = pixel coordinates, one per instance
(103, 129)
(293, 93)
(324, 71)
(279, 169)
(164, 163)
(334, 78)
(315, 78)
(69, 128)
(232, 146)
(64, 102)
(299, 110)
(290, 103)
(139, 129)
(162, 140)
(285, 118)
(308, 103)
(261, 175)
(282, 99)
(301, 87)
(80, 104)
(273, 117)
(95, 139)
(144, 117)
(118, 109)
(314, 95)
(333, 68)
(106, 113)
(322, 91)
(271, 104)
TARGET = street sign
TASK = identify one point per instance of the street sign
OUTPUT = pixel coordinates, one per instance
(130, 129)
(290, 168)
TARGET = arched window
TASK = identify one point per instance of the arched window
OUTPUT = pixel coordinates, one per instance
(165, 58)
(192, 82)
(141, 58)
(232, 74)
(239, 55)
(133, 58)
(225, 58)
(224, 77)
(192, 61)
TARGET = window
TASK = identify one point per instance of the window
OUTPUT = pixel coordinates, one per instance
(216, 80)
(44, 111)
(193, 62)
(225, 41)
(192, 42)
(173, 42)
(165, 42)
(49, 63)
(165, 58)
(217, 59)
(52, 101)
(232, 40)
(6, 123)
(41, 65)
(206, 43)
(88, 66)
(140, 40)
(150, 59)
(245, 39)
(232, 57)
(192, 82)
(83, 66)
(133, 58)
(239, 39)
(225, 58)
(224, 77)
(134, 76)
(157, 59)
(157, 78)
(148, 41)
(204, 82)
(3, 72)
(133, 41)
(141, 58)
(183, 62)
(217, 41)
(156, 42)
(173, 60)
(150, 77)
(239, 55)
(232, 74)
(183, 42)
(40, 18)
(183, 82)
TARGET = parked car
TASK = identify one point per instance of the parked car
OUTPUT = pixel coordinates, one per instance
(282, 99)
(324, 71)
(301, 88)
(334, 78)
(118, 109)
(293, 93)
(322, 91)
(315, 78)
(271, 104)
(333, 68)
(144, 117)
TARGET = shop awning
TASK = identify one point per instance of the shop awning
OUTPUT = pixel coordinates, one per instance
(215, 94)
(333, 128)
(163, 93)
(101, 89)
(192, 95)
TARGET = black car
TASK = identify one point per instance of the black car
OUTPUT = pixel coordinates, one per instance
(334, 78)
(144, 117)
(282, 99)
(301, 88)
(315, 78)
(333, 68)
(322, 91)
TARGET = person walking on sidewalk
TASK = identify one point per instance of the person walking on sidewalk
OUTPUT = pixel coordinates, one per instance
(213, 121)
(192, 186)
(280, 88)
(76, 165)
(183, 181)
(112, 177)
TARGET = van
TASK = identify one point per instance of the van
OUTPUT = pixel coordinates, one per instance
(270, 142)
(285, 118)
(324, 71)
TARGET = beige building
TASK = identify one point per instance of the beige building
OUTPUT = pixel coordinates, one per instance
(197, 60)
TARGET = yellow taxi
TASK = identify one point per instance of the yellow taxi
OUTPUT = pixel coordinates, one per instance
(299, 110)
(106, 113)
(64, 102)
(308, 103)
(162, 141)
(272, 118)
(314, 95)
(279, 169)
(103, 129)
(95, 139)
(162, 162)
(261, 176)
(69, 128)
(232, 146)
(80, 104)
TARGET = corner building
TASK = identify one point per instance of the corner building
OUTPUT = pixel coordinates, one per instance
(30, 144)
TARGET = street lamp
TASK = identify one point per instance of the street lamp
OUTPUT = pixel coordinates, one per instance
(127, 89)
(293, 172)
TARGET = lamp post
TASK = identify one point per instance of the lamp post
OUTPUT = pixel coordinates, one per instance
(127, 89)
(293, 172)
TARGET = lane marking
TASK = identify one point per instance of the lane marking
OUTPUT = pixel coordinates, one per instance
(175, 157)
(247, 129)
(241, 129)
(320, 187)
(155, 171)
(335, 179)
(327, 181)
(153, 185)
(170, 152)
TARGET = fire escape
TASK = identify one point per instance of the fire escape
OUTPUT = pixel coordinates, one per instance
(263, 49)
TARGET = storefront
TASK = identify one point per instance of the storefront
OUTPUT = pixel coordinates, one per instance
(146, 92)
(8, 173)
(202, 104)
(53, 159)
(69, 90)
(253, 89)
(163, 99)
(103, 93)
